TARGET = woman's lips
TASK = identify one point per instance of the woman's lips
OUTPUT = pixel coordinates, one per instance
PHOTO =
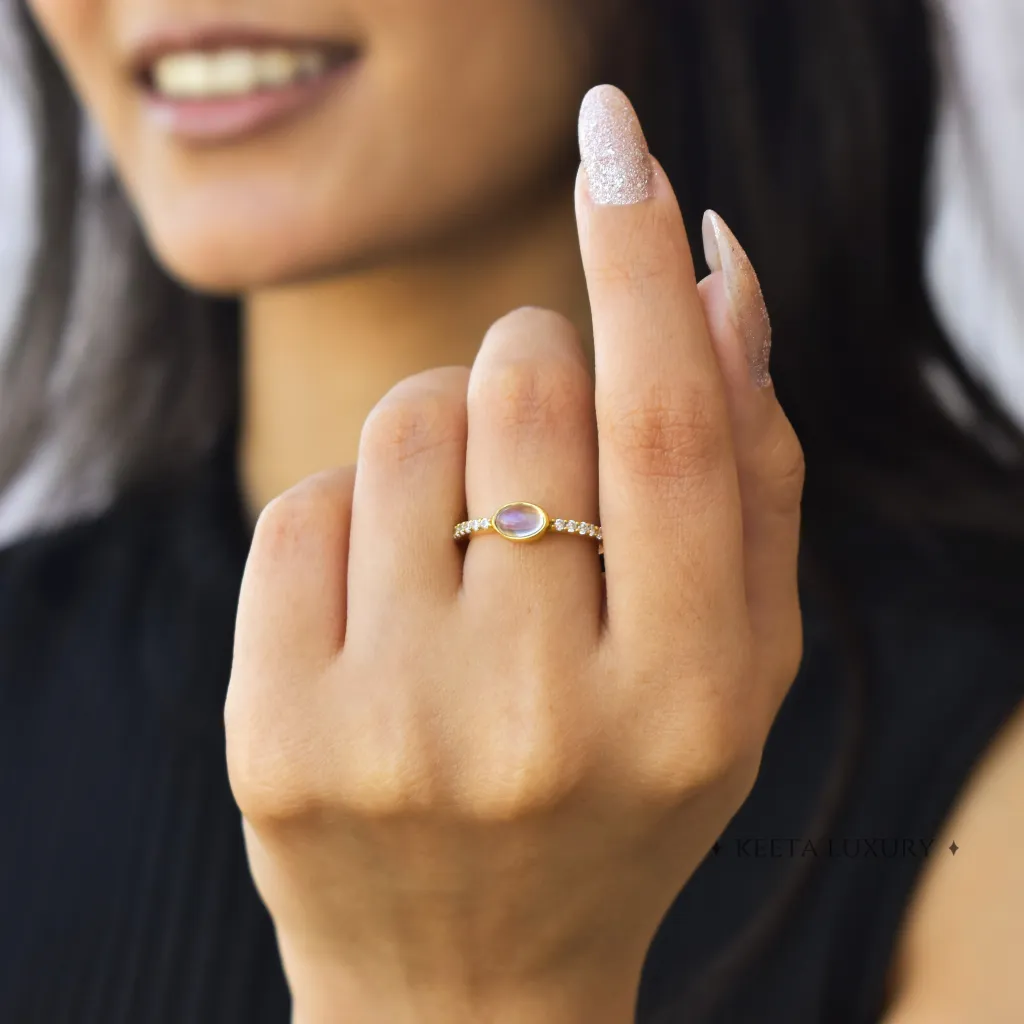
(224, 118)
(229, 114)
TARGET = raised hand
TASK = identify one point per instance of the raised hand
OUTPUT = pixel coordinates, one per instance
(475, 772)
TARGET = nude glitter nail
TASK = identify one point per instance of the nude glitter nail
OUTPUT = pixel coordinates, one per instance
(746, 301)
(613, 149)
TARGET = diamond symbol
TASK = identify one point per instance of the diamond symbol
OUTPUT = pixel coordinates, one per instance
(953, 847)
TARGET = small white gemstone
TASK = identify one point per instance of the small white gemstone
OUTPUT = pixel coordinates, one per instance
(559, 525)
(582, 528)
(600, 534)
(592, 531)
(572, 525)
(483, 524)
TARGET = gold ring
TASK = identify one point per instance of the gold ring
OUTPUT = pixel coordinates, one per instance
(522, 522)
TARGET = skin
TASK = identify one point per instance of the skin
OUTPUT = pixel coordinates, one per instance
(444, 753)
(436, 195)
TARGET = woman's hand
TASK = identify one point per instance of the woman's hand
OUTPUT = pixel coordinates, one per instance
(474, 776)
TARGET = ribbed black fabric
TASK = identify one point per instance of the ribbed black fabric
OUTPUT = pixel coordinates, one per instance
(125, 893)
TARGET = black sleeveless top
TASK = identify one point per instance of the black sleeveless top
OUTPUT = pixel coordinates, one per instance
(125, 893)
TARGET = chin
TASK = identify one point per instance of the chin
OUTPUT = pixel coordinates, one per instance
(221, 274)
(231, 260)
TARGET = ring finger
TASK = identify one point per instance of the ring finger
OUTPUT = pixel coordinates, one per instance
(532, 437)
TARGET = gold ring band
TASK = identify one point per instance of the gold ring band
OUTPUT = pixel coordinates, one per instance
(522, 522)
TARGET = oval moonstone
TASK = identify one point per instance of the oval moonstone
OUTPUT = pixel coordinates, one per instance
(520, 521)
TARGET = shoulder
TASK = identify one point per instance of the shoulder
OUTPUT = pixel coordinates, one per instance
(958, 958)
(938, 622)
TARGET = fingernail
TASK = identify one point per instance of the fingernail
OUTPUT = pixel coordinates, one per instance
(613, 149)
(746, 300)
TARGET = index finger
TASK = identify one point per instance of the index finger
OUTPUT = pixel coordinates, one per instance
(669, 496)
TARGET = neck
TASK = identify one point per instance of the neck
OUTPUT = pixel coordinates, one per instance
(319, 355)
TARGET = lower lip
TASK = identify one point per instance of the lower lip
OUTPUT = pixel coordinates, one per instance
(232, 117)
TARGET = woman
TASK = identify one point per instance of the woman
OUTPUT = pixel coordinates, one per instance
(463, 801)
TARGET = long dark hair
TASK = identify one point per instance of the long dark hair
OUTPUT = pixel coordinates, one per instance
(808, 124)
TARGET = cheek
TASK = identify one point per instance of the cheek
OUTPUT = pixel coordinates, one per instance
(74, 30)
(486, 72)
(76, 33)
(459, 106)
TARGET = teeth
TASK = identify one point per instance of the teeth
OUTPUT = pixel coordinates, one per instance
(200, 74)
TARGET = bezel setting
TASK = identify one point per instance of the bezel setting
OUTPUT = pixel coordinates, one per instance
(542, 517)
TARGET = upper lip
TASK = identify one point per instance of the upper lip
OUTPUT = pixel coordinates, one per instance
(150, 46)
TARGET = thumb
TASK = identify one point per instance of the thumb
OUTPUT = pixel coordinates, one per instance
(769, 458)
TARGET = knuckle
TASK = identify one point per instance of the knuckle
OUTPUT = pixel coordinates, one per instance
(637, 264)
(702, 735)
(792, 646)
(788, 469)
(390, 767)
(390, 782)
(532, 395)
(528, 771)
(642, 275)
(410, 422)
(267, 766)
(667, 437)
(724, 743)
(519, 790)
(530, 322)
(380, 793)
(308, 510)
(712, 751)
(273, 799)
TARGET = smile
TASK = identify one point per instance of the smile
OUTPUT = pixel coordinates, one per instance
(234, 72)
(218, 86)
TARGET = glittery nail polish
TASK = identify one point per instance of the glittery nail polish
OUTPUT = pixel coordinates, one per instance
(613, 149)
(746, 301)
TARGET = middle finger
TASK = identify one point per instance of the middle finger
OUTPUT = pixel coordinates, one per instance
(669, 490)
